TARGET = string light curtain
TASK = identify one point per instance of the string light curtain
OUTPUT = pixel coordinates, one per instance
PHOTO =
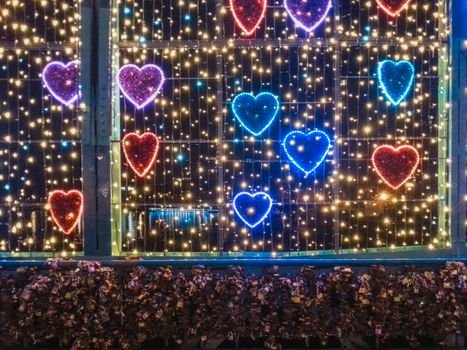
(327, 83)
(40, 132)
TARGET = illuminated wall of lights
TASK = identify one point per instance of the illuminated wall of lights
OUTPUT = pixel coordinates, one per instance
(40, 148)
(321, 64)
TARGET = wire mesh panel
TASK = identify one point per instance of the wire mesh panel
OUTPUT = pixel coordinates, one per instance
(296, 76)
(182, 183)
(373, 212)
(39, 125)
(286, 128)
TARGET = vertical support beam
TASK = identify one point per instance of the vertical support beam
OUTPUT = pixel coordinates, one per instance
(96, 79)
(443, 118)
(220, 128)
(457, 125)
(88, 132)
(337, 122)
(116, 193)
(103, 128)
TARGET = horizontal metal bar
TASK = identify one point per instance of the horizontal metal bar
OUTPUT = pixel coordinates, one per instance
(169, 206)
(217, 43)
(25, 205)
(40, 46)
(213, 205)
(177, 141)
(21, 79)
(256, 140)
(214, 78)
(375, 77)
(173, 79)
(225, 262)
(76, 141)
(228, 102)
(259, 140)
(289, 204)
(239, 42)
(248, 161)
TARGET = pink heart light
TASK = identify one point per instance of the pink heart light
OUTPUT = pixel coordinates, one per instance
(140, 85)
(62, 80)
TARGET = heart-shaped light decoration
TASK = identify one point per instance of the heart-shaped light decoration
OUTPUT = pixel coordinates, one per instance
(307, 150)
(66, 209)
(255, 114)
(308, 14)
(392, 7)
(395, 79)
(62, 81)
(395, 166)
(140, 85)
(140, 151)
(252, 209)
(248, 14)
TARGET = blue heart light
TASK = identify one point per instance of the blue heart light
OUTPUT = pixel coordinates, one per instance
(395, 79)
(255, 114)
(307, 150)
(252, 209)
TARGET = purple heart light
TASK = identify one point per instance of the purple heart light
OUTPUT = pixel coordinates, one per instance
(308, 14)
(62, 80)
(140, 85)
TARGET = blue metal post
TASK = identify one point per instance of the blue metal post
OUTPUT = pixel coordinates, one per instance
(96, 127)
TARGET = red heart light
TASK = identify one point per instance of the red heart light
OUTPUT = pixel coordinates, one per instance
(392, 7)
(66, 209)
(248, 14)
(140, 151)
(395, 165)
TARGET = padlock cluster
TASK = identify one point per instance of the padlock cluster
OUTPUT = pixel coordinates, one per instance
(95, 307)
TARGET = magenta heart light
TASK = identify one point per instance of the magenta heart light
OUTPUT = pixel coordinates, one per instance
(62, 80)
(140, 85)
(308, 14)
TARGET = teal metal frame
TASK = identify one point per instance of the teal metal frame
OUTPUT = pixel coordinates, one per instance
(457, 126)
(247, 262)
